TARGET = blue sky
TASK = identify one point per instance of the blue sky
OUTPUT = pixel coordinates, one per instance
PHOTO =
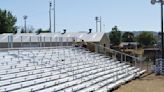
(78, 15)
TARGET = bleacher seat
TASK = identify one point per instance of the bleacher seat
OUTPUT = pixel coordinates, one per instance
(62, 70)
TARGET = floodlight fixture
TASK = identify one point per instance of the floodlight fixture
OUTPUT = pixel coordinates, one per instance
(153, 2)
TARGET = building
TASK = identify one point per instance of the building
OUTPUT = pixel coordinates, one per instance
(129, 45)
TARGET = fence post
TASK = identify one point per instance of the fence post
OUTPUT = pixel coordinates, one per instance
(105, 51)
(40, 41)
(140, 63)
(135, 61)
(44, 41)
(30, 41)
(21, 42)
(115, 55)
(8, 42)
(125, 58)
(12, 41)
(50, 41)
(121, 57)
(55, 41)
(62, 41)
(38, 44)
(67, 41)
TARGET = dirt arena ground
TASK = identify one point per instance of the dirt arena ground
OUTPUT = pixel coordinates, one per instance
(146, 83)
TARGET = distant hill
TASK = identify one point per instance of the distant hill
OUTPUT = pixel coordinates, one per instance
(138, 32)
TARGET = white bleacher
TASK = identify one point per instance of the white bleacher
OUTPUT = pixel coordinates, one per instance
(61, 70)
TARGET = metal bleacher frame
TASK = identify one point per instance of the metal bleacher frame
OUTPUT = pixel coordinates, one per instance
(159, 66)
(62, 69)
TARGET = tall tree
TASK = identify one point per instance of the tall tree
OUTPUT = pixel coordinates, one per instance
(7, 22)
(115, 36)
(30, 29)
(146, 39)
(128, 37)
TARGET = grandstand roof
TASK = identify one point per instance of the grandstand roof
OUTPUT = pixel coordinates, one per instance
(88, 37)
(91, 37)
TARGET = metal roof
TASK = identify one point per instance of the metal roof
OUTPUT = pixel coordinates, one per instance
(91, 37)
(26, 37)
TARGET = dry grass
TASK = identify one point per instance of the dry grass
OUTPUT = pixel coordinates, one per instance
(147, 83)
(138, 51)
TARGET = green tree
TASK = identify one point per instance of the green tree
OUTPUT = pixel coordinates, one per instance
(7, 22)
(30, 29)
(146, 39)
(128, 37)
(39, 31)
(115, 36)
(22, 30)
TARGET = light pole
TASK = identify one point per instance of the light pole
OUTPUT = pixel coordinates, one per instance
(100, 24)
(161, 3)
(54, 17)
(50, 8)
(50, 4)
(25, 18)
(98, 19)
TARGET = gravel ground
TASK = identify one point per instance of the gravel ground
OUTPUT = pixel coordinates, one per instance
(147, 83)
